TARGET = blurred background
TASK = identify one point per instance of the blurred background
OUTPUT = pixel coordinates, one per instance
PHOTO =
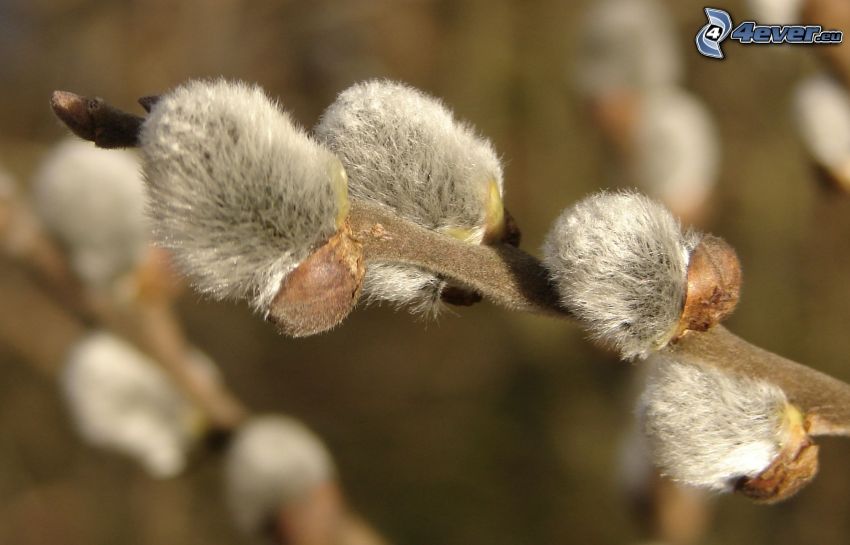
(484, 427)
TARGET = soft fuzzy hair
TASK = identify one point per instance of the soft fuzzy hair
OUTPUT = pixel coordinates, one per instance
(618, 53)
(822, 112)
(120, 400)
(405, 150)
(271, 461)
(707, 428)
(677, 153)
(237, 191)
(92, 201)
(619, 261)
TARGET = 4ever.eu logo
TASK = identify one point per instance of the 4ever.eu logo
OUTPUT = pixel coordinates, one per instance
(720, 27)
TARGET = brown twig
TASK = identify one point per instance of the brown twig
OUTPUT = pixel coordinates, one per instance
(824, 399)
(33, 324)
(503, 274)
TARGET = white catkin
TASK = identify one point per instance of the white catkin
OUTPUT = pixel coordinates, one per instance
(677, 149)
(92, 201)
(707, 428)
(238, 192)
(619, 261)
(405, 150)
(120, 400)
(620, 52)
(272, 460)
(822, 112)
(776, 12)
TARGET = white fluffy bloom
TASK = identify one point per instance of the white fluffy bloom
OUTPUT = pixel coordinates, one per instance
(822, 112)
(237, 191)
(405, 150)
(707, 428)
(619, 261)
(120, 400)
(271, 461)
(92, 201)
(627, 44)
(677, 150)
(777, 12)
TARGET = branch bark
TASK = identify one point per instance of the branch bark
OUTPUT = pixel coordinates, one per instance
(824, 399)
(503, 274)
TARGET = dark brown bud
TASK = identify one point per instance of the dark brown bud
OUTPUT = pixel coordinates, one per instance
(714, 285)
(94, 120)
(322, 290)
(149, 102)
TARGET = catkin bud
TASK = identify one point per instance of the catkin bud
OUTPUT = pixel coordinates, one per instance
(120, 400)
(246, 200)
(92, 201)
(676, 151)
(822, 112)
(404, 150)
(618, 54)
(777, 12)
(710, 429)
(272, 461)
(625, 269)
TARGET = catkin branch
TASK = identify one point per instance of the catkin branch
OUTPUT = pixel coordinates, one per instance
(825, 399)
(508, 277)
(503, 274)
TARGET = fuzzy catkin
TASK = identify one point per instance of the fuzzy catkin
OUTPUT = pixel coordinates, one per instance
(822, 113)
(405, 150)
(92, 201)
(271, 461)
(618, 54)
(677, 151)
(120, 400)
(238, 192)
(706, 428)
(619, 262)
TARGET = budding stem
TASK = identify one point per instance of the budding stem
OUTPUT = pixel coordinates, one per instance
(516, 280)
(503, 274)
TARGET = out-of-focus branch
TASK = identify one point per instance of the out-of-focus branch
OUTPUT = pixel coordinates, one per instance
(33, 324)
(149, 324)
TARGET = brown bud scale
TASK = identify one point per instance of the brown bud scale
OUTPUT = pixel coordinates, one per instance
(322, 290)
(792, 470)
(714, 285)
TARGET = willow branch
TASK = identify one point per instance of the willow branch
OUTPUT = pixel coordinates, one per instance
(509, 277)
(514, 279)
(503, 274)
(825, 399)
(28, 313)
